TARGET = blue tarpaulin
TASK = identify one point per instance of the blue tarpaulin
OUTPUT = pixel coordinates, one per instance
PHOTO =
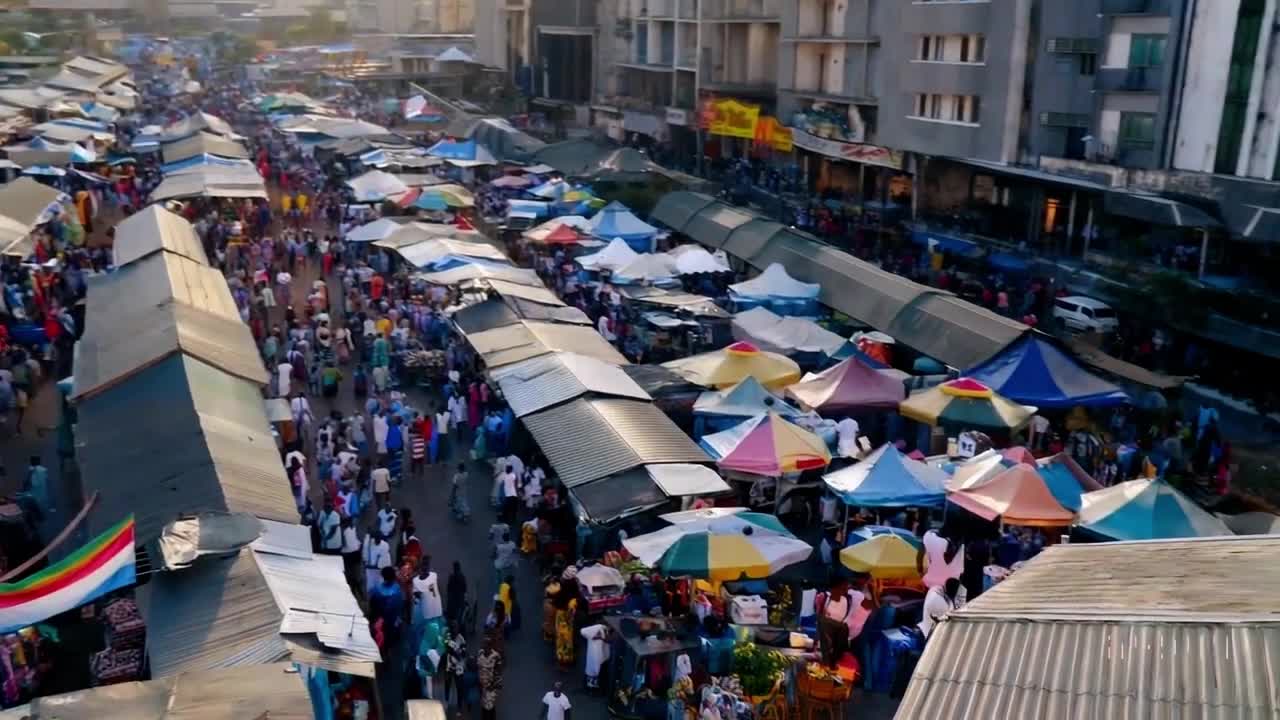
(1008, 262)
(615, 220)
(1146, 510)
(887, 478)
(1033, 371)
(461, 150)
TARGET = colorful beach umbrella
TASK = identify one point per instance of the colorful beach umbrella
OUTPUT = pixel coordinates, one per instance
(731, 365)
(966, 404)
(750, 545)
(769, 445)
(1017, 496)
(432, 201)
(1146, 510)
(882, 552)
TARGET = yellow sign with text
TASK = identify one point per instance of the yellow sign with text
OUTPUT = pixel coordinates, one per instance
(734, 119)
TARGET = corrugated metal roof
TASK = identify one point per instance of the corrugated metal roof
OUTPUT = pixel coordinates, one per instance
(180, 437)
(153, 308)
(260, 691)
(533, 310)
(1236, 578)
(25, 200)
(217, 613)
(513, 343)
(535, 294)
(1143, 630)
(1096, 671)
(618, 496)
(541, 382)
(487, 315)
(201, 144)
(153, 229)
(620, 435)
(580, 339)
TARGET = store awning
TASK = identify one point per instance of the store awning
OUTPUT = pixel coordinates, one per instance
(622, 435)
(1158, 210)
(675, 210)
(683, 480)
(1255, 223)
(619, 496)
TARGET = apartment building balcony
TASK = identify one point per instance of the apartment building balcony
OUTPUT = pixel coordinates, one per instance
(687, 9)
(843, 96)
(657, 9)
(1144, 80)
(741, 88)
(687, 59)
(742, 11)
(1073, 45)
(1136, 7)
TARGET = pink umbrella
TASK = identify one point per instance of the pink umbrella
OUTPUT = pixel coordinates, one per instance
(1019, 455)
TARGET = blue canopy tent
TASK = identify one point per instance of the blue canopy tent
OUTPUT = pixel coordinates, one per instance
(1066, 480)
(1146, 510)
(615, 220)
(717, 410)
(1033, 371)
(888, 479)
(462, 151)
(850, 350)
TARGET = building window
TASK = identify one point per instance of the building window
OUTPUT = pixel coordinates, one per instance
(952, 48)
(1146, 51)
(1137, 130)
(1088, 63)
(963, 109)
(1235, 107)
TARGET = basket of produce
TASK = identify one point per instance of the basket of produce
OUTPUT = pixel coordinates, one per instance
(819, 683)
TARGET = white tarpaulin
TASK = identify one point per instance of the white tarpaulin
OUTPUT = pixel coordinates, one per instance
(376, 186)
(682, 480)
(773, 333)
(697, 260)
(649, 267)
(377, 230)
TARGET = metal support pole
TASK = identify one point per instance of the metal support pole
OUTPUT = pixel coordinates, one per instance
(1088, 231)
(1071, 225)
(1204, 251)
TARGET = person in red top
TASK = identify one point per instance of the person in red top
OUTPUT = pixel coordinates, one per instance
(376, 284)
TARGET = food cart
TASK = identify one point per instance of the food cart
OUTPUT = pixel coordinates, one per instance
(646, 649)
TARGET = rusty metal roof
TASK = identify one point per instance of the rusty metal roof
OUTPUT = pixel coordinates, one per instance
(1155, 630)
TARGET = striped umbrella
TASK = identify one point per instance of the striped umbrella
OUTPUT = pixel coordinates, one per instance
(751, 545)
(966, 404)
(767, 444)
(882, 552)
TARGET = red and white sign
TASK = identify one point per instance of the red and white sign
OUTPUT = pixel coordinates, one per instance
(854, 152)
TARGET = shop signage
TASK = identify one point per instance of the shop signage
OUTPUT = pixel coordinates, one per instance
(676, 116)
(734, 119)
(854, 152)
(773, 134)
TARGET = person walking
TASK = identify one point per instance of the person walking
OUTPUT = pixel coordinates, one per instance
(555, 704)
(330, 524)
(377, 558)
(351, 555)
(490, 668)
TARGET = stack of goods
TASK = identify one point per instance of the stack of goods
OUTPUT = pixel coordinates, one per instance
(125, 633)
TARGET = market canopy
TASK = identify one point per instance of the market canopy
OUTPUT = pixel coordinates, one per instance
(615, 220)
(540, 233)
(769, 445)
(376, 186)
(379, 229)
(463, 153)
(1146, 510)
(775, 282)
(474, 271)
(849, 386)
(1017, 496)
(647, 268)
(24, 204)
(1034, 371)
(787, 335)
(686, 480)
(542, 382)
(202, 143)
(211, 181)
(694, 260)
(437, 250)
(965, 404)
(1066, 479)
(614, 255)
(887, 478)
(730, 365)
(746, 399)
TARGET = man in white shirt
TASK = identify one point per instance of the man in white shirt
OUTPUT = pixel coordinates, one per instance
(847, 437)
(330, 523)
(605, 327)
(351, 554)
(376, 555)
(509, 493)
(938, 603)
(427, 604)
(387, 519)
(284, 373)
(555, 704)
(440, 450)
(380, 427)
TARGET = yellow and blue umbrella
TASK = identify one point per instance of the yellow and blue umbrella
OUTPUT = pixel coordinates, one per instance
(966, 404)
(882, 552)
(744, 545)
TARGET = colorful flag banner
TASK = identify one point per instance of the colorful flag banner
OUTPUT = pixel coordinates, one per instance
(107, 563)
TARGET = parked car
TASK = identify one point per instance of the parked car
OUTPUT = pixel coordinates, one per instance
(1084, 314)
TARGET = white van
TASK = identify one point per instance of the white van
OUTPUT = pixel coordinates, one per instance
(1084, 314)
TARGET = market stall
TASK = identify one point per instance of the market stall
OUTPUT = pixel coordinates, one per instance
(730, 365)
